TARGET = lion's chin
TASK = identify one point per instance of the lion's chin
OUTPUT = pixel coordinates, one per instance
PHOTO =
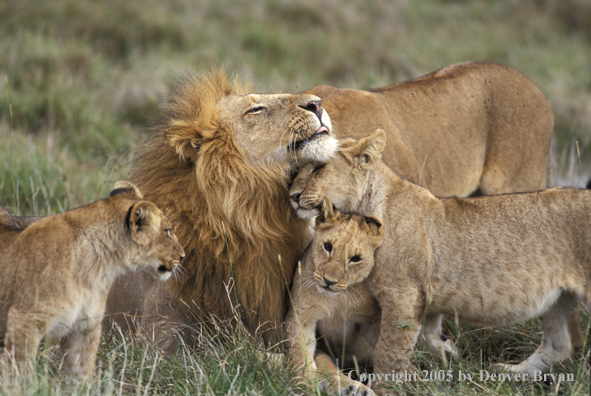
(321, 148)
(305, 213)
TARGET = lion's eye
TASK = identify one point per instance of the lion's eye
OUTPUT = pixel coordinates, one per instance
(355, 259)
(328, 247)
(318, 167)
(256, 110)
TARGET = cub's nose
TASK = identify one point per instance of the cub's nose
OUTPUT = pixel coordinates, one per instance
(296, 197)
(328, 282)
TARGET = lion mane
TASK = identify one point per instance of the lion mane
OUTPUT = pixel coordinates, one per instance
(232, 218)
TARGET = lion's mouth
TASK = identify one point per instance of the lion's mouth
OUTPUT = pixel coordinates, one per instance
(297, 145)
(327, 291)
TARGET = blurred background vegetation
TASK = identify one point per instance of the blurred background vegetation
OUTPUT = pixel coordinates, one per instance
(80, 81)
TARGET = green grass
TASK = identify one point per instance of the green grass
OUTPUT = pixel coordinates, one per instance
(80, 83)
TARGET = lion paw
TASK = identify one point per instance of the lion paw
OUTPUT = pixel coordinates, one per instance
(344, 386)
(442, 346)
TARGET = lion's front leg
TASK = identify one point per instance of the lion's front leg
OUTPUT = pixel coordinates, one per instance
(24, 331)
(79, 349)
(402, 311)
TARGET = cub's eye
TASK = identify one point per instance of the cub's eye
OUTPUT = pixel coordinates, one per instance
(355, 259)
(318, 167)
(168, 234)
(328, 247)
(256, 110)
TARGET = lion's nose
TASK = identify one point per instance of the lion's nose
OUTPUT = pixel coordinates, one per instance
(315, 106)
(328, 282)
(296, 197)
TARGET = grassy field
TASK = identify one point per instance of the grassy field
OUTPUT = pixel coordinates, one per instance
(80, 83)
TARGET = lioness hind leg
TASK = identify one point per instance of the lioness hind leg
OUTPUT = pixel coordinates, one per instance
(439, 344)
(338, 382)
(559, 340)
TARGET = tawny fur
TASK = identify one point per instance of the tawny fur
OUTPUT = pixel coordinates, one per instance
(55, 273)
(466, 127)
(330, 298)
(490, 260)
(469, 128)
(218, 165)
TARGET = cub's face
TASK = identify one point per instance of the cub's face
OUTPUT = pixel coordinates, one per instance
(336, 179)
(279, 127)
(344, 179)
(152, 232)
(343, 249)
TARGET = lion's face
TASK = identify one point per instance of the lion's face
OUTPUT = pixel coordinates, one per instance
(343, 248)
(271, 128)
(344, 178)
(160, 250)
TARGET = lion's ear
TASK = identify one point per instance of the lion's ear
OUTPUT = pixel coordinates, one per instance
(143, 222)
(185, 138)
(186, 129)
(375, 225)
(368, 149)
(127, 188)
(327, 213)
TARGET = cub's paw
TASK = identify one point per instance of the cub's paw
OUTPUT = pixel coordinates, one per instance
(522, 368)
(442, 346)
(343, 386)
(356, 389)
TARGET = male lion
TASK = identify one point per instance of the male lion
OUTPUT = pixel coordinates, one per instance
(466, 256)
(220, 158)
(55, 273)
(219, 166)
(329, 296)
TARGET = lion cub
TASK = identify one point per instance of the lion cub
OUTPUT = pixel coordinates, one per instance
(55, 273)
(491, 260)
(330, 297)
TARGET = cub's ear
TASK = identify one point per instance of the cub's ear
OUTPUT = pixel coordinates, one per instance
(327, 213)
(375, 225)
(127, 188)
(368, 149)
(143, 222)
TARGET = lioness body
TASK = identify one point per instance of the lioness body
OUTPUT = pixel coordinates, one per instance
(466, 126)
(56, 273)
(490, 260)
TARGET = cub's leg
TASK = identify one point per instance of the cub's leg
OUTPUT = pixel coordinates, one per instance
(302, 346)
(560, 339)
(437, 342)
(23, 334)
(326, 367)
(79, 349)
